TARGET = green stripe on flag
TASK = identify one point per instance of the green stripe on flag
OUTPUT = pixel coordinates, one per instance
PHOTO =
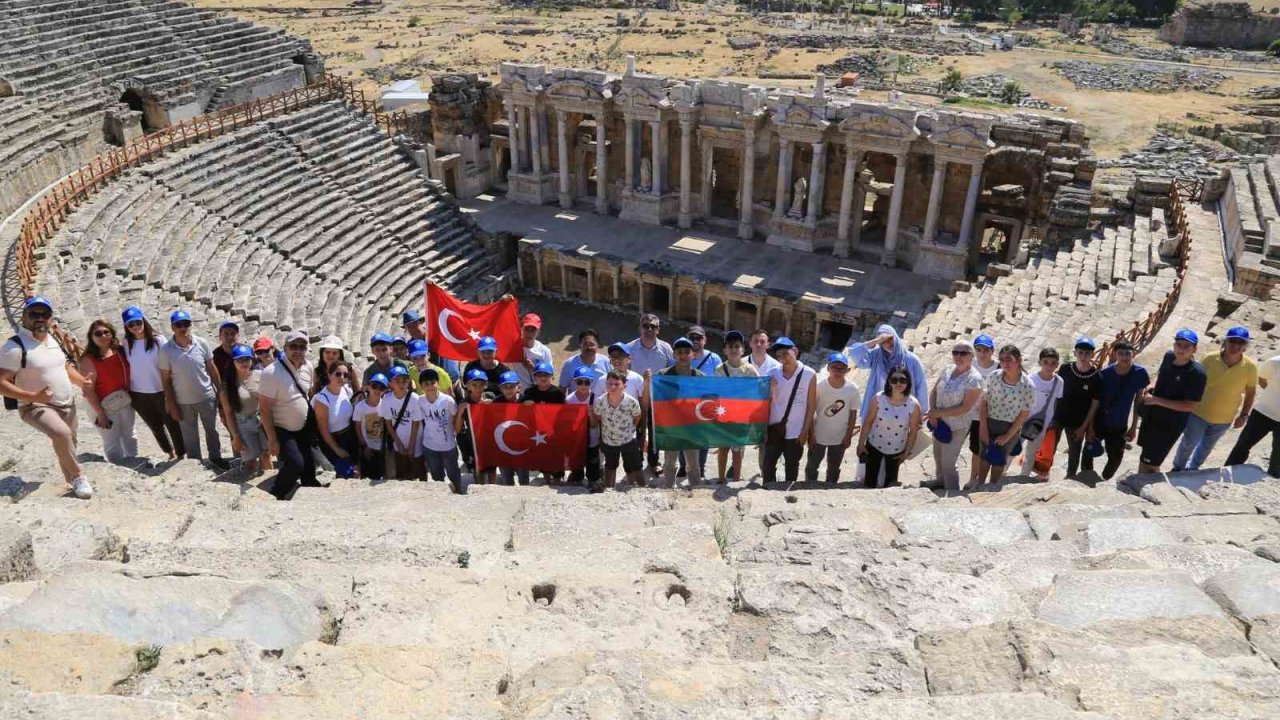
(708, 435)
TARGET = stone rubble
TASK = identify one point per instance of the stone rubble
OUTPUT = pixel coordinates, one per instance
(1136, 77)
(1169, 155)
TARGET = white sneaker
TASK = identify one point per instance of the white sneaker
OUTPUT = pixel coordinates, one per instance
(81, 487)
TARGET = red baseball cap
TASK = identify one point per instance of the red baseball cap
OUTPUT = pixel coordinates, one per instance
(263, 343)
(531, 319)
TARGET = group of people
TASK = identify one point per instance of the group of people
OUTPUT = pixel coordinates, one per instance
(404, 416)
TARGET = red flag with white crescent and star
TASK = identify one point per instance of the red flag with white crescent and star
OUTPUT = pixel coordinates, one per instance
(545, 437)
(455, 327)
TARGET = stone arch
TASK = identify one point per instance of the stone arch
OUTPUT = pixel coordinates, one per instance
(551, 279)
(713, 312)
(775, 321)
(687, 306)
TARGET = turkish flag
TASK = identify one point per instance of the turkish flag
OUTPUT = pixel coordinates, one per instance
(545, 437)
(454, 327)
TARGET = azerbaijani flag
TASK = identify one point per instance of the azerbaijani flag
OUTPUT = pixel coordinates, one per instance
(709, 412)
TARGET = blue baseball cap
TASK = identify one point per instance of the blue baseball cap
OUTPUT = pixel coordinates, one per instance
(781, 343)
(1239, 332)
(380, 339)
(178, 316)
(620, 347)
(735, 336)
(132, 314)
(379, 379)
(1187, 334)
(838, 357)
(473, 375)
(942, 432)
(487, 343)
(418, 348)
(1093, 448)
(544, 368)
(994, 454)
(409, 317)
(399, 340)
(508, 378)
(682, 342)
(241, 351)
(985, 340)
(37, 300)
(1086, 342)
(229, 323)
(584, 372)
(397, 371)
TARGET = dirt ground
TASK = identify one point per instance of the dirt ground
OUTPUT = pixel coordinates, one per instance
(401, 39)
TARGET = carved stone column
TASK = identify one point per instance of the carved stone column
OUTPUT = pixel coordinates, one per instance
(855, 223)
(970, 204)
(747, 202)
(935, 199)
(562, 122)
(535, 141)
(784, 178)
(630, 159)
(602, 170)
(852, 159)
(685, 218)
(513, 138)
(817, 181)
(707, 171)
(890, 256)
(655, 167)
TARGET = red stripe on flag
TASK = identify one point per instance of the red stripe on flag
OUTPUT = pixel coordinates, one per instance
(685, 411)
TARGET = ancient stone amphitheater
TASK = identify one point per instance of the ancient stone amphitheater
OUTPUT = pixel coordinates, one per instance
(154, 154)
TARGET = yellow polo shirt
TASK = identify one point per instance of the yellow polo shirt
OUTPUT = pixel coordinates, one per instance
(1225, 389)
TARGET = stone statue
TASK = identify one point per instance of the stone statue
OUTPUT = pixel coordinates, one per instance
(646, 174)
(799, 191)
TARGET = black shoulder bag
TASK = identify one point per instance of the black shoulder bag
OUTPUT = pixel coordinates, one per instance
(777, 432)
(311, 427)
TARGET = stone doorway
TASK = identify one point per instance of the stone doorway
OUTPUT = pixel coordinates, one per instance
(724, 185)
(140, 101)
(997, 240)
(743, 317)
(659, 300)
(834, 335)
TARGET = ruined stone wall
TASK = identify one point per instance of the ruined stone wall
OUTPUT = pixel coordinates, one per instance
(1233, 25)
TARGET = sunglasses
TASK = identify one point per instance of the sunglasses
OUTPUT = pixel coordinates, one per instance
(39, 314)
(581, 382)
(297, 346)
(261, 352)
(103, 333)
(837, 368)
(649, 326)
(960, 353)
(897, 381)
(133, 323)
(182, 324)
(341, 374)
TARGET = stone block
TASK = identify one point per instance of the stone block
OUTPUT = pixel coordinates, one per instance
(1111, 534)
(1047, 520)
(1079, 599)
(1247, 592)
(986, 526)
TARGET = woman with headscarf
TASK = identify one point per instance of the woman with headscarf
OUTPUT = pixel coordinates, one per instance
(881, 354)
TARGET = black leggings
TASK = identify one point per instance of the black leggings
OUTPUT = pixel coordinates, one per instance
(874, 460)
(1113, 440)
(347, 440)
(297, 463)
(150, 407)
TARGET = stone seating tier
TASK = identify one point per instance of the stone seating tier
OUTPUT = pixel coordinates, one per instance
(275, 224)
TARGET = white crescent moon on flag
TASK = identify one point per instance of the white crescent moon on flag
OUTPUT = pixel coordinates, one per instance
(697, 410)
(501, 442)
(443, 323)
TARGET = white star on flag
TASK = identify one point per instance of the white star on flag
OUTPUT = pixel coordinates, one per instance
(539, 439)
(721, 410)
(474, 334)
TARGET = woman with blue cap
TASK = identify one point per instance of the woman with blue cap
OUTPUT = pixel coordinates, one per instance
(240, 402)
(954, 400)
(882, 353)
(141, 346)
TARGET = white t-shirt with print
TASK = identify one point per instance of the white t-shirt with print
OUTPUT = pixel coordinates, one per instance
(573, 399)
(437, 422)
(367, 416)
(389, 409)
(834, 407)
(1048, 392)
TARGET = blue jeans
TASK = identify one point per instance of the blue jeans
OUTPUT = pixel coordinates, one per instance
(1198, 439)
(444, 462)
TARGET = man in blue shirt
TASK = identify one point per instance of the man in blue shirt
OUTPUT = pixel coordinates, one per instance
(588, 356)
(1122, 382)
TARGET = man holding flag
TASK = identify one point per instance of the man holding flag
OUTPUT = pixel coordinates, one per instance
(693, 411)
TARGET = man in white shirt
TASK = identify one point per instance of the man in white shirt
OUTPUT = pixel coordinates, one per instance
(1263, 419)
(283, 404)
(534, 351)
(35, 372)
(794, 395)
(650, 354)
(760, 356)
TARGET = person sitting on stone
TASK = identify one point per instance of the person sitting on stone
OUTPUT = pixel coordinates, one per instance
(37, 373)
(334, 409)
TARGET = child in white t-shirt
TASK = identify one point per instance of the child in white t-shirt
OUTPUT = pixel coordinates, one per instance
(370, 428)
(401, 416)
(439, 413)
